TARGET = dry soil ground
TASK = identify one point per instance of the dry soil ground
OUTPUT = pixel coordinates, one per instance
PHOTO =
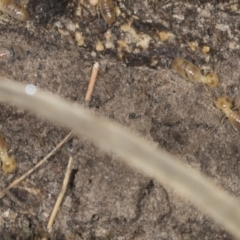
(106, 199)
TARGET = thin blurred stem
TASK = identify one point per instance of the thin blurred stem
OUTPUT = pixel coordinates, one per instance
(61, 194)
(133, 149)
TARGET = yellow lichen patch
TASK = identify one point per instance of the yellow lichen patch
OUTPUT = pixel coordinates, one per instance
(132, 37)
(122, 46)
(234, 7)
(118, 11)
(71, 26)
(205, 49)
(99, 46)
(110, 38)
(193, 45)
(207, 58)
(93, 2)
(165, 36)
(79, 38)
(63, 32)
(143, 41)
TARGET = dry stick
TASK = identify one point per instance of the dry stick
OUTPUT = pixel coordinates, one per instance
(92, 82)
(61, 194)
(14, 183)
(91, 85)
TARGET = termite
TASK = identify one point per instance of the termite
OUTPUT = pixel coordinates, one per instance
(107, 10)
(191, 72)
(225, 104)
(14, 10)
(10, 52)
(8, 163)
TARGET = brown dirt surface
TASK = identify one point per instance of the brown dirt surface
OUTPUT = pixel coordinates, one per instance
(106, 199)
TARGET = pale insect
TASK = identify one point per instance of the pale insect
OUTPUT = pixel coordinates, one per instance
(10, 52)
(225, 104)
(191, 72)
(13, 9)
(8, 163)
(107, 10)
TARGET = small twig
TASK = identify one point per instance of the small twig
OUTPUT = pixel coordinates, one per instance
(88, 96)
(92, 82)
(61, 194)
(14, 183)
